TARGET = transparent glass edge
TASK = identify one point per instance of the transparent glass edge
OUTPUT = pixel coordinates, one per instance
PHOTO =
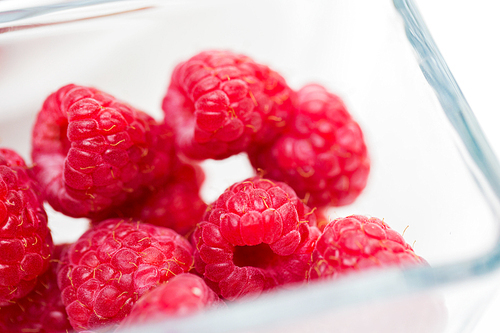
(287, 306)
(19, 14)
(56, 13)
(464, 122)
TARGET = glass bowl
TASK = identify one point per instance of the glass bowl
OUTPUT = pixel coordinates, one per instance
(434, 177)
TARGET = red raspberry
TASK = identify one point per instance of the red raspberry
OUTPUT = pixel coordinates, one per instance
(219, 101)
(93, 152)
(182, 295)
(322, 154)
(25, 240)
(356, 243)
(322, 218)
(258, 235)
(42, 309)
(106, 271)
(176, 205)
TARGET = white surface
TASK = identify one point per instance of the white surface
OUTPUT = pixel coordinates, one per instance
(467, 34)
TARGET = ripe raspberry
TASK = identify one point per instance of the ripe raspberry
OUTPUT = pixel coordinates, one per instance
(176, 205)
(106, 271)
(93, 152)
(258, 235)
(219, 101)
(42, 309)
(182, 295)
(322, 154)
(25, 240)
(356, 243)
(321, 218)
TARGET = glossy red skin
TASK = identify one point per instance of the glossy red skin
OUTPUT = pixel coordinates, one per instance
(220, 102)
(42, 309)
(25, 240)
(113, 264)
(93, 152)
(183, 295)
(356, 243)
(255, 237)
(322, 154)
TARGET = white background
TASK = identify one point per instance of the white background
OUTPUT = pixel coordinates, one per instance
(467, 33)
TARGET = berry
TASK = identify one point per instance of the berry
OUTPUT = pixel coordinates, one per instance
(42, 309)
(176, 204)
(321, 218)
(25, 239)
(256, 236)
(219, 101)
(357, 243)
(182, 295)
(322, 153)
(93, 152)
(113, 264)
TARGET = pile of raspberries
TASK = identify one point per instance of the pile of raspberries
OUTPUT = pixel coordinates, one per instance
(154, 249)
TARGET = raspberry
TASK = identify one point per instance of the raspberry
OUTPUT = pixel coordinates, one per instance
(219, 101)
(322, 154)
(42, 309)
(25, 239)
(321, 218)
(256, 236)
(356, 243)
(176, 205)
(93, 152)
(113, 264)
(182, 295)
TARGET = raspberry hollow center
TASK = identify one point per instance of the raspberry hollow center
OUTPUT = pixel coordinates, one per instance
(259, 256)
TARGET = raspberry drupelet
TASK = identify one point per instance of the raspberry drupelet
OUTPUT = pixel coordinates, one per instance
(93, 152)
(112, 265)
(183, 295)
(25, 240)
(176, 204)
(256, 236)
(218, 102)
(356, 243)
(40, 311)
(322, 153)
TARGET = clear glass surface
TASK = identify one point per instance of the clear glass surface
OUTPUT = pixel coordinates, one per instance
(433, 174)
